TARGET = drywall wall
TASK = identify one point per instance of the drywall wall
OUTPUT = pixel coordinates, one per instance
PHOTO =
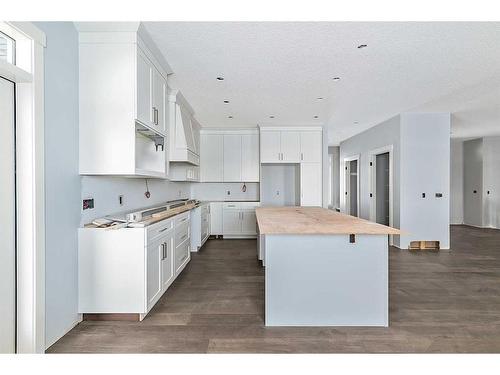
(425, 168)
(456, 181)
(62, 183)
(491, 182)
(280, 184)
(473, 182)
(384, 134)
(227, 191)
(105, 190)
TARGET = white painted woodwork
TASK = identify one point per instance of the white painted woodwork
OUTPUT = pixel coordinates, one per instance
(270, 146)
(212, 157)
(200, 225)
(181, 171)
(7, 219)
(239, 220)
(311, 184)
(290, 146)
(232, 157)
(127, 270)
(250, 171)
(311, 146)
(216, 222)
(120, 83)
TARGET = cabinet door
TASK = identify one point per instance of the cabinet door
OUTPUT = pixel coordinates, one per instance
(216, 218)
(154, 264)
(290, 146)
(181, 255)
(232, 158)
(310, 184)
(311, 145)
(144, 90)
(212, 157)
(167, 264)
(232, 222)
(158, 100)
(270, 151)
(248, 222)
(250, 158)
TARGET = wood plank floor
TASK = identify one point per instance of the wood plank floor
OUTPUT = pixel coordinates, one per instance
(439, 302)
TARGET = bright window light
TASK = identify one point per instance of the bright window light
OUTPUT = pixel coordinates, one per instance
(7, 48)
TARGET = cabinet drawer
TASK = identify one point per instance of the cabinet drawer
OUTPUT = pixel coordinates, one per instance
(181, 254)
(231, 206)
(181, 233)
(249, 205)
(182, 218)
(158, 229)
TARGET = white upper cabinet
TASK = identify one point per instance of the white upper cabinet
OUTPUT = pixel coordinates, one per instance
(311, 146)
(182, 131)
(270, 146)
(230, 156)
(290, 146)
(121, 104)
(250, 170)
(212, 157)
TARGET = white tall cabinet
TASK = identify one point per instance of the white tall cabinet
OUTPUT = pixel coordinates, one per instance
(229, 155)
(297, 145)
(122, 104)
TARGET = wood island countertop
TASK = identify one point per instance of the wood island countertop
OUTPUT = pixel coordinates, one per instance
(314, 220)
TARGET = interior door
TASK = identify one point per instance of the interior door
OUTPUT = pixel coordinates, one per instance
(7, 219)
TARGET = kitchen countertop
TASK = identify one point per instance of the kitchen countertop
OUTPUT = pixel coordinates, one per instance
(314, 220)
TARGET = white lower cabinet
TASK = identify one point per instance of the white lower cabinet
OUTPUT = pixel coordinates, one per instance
(239, 220)
(116, 276)
(200, 226)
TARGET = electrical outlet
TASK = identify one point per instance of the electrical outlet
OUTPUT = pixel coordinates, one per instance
(88, 204)
(180, 193)
(228, 192)
(120, 200)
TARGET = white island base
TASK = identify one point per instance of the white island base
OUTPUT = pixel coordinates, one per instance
(324, 280)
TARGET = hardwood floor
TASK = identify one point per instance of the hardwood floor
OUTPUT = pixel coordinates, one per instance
(439, 302)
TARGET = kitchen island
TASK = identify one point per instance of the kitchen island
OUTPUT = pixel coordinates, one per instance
(323, 268)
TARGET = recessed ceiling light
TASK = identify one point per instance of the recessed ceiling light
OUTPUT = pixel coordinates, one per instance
(336, 78)
(229, 116)
(220, 78)
(356, 123)
(362, 46)
(320, 98)
(271, 116)
(316, 116)
(226, 101)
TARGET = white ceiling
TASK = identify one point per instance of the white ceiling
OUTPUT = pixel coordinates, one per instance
(281, 68)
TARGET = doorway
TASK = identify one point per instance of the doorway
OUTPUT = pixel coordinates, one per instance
(7, 218)
(381, 186)
(352, 186)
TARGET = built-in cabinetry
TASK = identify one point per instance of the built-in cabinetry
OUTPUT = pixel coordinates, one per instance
(300, 146)
(229, 156)
(200, 225)
(122, 105)
(239, 219)
(127, 270)
(216, 210)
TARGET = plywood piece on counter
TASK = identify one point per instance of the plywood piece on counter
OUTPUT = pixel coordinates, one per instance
(314, 220)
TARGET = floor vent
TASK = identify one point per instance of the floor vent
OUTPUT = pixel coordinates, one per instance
(424, 245)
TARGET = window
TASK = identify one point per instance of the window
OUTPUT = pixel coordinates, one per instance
(7, 48)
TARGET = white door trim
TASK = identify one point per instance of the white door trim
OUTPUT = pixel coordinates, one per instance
(29, 78)
(373, 156)
(346, 183)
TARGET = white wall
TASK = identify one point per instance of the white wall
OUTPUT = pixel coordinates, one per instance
(425, 168)
(456, 181)
(335, 151)
(280, 184)
(491, 182)
(62, 183)
(105, 191)
(217, 191)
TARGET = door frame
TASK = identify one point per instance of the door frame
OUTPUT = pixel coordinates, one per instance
(347, 183)
(28, 75)
(373, 180)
